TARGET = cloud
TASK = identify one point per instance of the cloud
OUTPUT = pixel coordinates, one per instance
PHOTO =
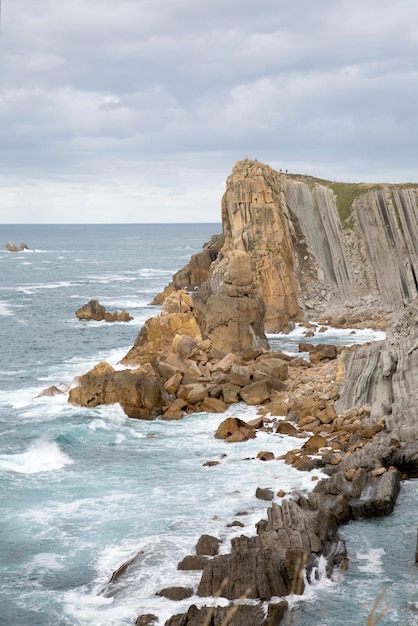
(146, 98)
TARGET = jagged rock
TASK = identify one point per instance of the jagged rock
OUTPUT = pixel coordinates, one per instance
(93, 310)
(233, 426)
(195, 272)
(11, 247)
(233, 615)
(405, 459)
(50, 392)
(208, 545)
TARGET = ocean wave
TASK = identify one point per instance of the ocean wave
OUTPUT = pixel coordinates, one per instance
(42, 456)
(5, 309)
(12, 372)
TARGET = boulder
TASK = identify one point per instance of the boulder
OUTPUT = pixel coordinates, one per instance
(255, 393)
(319, 352)
(176, 593)
(208, 545)
(233, 426)
(139, 393)
(50, 392)
(275, 368)
(213, 405)
(264, 494)
(193, 562)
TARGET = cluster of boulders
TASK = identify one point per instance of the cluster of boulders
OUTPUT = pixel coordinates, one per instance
(182, 373)
(11, 247)
(93, 310)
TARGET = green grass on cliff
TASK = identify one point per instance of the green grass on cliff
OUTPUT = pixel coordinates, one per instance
(347, 193)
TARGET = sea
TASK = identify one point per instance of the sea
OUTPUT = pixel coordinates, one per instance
(83, 490)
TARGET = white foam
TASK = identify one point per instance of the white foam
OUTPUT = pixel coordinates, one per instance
(5, 309)
(124, 302)
(12, 372)
(372, 559)
(42, 456)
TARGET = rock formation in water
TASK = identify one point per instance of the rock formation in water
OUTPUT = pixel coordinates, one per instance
(292, 247)
(315, 243)
(11, 247)
(93, 310)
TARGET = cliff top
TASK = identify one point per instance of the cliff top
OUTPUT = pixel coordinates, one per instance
(345, 192)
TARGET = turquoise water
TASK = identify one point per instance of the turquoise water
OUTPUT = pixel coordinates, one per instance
(82, 490)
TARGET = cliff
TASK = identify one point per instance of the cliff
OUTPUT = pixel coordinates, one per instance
(292, 247)
(314, 244)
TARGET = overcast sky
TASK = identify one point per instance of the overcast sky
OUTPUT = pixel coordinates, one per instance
(137, 110)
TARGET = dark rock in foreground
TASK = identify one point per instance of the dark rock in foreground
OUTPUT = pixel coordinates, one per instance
(233, 615)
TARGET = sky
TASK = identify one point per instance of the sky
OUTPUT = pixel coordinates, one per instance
(137, 110)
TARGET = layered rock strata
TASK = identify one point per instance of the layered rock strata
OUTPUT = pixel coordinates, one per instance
(313, 241)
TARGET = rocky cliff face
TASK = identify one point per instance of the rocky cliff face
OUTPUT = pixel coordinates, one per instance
(314, 243)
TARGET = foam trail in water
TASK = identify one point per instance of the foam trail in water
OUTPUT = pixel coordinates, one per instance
(43, 456)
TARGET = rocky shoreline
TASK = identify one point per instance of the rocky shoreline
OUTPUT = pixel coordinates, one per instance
(285, 256)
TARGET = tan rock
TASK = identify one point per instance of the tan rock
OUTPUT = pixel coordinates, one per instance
(286, 428)
(175, 410)
(276, 368)
(50, 392)
(349, 474)
(379, 471)
(315, 443)
(157, 334)
(231, 426)
(226, 363)
(265, 456)
(213, 405)
(173, 383)
(327, 415)
(230, 393)
(178, 302)
(255, 393)
(185, 346)
(240, 375)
